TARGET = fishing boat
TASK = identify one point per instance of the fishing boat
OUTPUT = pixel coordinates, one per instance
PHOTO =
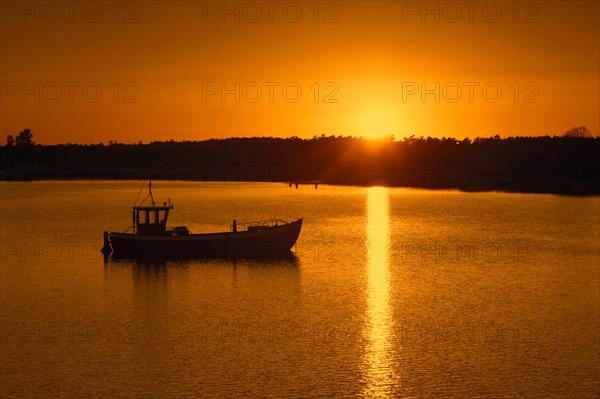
(150, 236)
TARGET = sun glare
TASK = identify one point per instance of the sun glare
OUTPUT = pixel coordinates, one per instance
(377, 124)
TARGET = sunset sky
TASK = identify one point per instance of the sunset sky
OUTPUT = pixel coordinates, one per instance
(88, 72)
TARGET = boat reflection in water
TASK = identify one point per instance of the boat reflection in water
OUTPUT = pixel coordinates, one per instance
(152, 238)
(142, 265)
(251, 257)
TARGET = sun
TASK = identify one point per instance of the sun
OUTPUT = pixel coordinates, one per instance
(377, 124)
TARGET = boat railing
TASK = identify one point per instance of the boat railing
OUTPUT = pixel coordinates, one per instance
(257, 225)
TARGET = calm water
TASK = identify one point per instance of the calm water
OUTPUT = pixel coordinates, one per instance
(392, 293)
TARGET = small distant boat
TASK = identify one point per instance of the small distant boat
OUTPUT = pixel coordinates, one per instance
(151, 236)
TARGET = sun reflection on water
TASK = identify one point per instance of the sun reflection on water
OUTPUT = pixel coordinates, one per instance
(380, 376)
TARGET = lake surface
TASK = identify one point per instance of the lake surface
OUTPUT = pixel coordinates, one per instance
(391, 293)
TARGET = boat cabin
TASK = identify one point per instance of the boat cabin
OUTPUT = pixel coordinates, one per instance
(151, 220)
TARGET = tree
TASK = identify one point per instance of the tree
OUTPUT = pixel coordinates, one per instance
(24, 139)
(579, 131)
(10, 140)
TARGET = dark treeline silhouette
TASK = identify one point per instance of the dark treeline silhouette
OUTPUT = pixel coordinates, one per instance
(560, 164)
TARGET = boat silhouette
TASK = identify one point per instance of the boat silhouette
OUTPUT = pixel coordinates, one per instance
(152, 237)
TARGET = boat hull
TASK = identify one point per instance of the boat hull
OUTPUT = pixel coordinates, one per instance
(272, 241)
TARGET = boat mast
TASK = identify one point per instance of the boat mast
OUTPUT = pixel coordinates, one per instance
(136, 205)
(150, 191)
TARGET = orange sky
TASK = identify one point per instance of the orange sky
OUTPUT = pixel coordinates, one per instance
(361, 68)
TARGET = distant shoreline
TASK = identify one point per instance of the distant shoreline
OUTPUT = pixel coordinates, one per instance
(553, 165)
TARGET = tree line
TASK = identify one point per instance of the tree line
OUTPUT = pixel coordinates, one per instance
(569, 163)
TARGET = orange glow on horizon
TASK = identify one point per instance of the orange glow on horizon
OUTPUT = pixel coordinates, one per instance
(187, 71)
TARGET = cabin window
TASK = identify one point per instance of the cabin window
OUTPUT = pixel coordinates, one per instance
(150, 220)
